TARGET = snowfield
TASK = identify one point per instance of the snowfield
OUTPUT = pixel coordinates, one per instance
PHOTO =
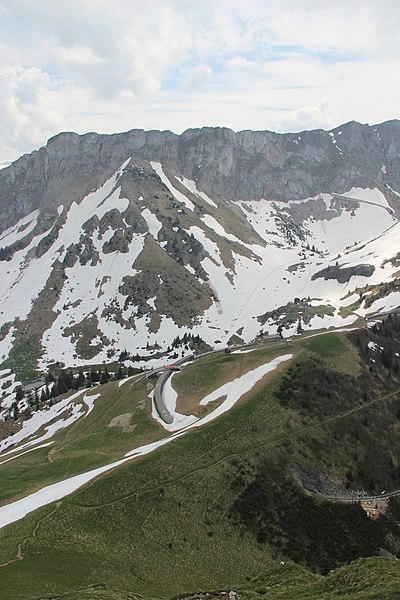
(248, 280)
(49, 420)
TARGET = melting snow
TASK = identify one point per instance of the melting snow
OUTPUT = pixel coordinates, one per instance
(153, 223)
(232, 391)
(17, 510)
(178, 195)
(89, 401)
(191, 186)
(217, 227)
(19, 230)
(374, 346)
(2, 462)
(40, 418)
(21, 274)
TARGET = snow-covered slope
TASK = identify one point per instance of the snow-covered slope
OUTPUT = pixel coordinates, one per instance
(148, 256)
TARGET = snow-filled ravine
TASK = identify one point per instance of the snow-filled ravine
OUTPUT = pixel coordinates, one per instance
(231, 391)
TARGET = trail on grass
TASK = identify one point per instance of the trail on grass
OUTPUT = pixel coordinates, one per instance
(274, 442)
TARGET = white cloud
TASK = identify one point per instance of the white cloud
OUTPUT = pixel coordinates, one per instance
(238, 63)
(26, 109)
(197, 79)
(308, 117)
(112, 65)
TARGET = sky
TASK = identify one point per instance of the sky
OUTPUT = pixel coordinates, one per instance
(115, 65)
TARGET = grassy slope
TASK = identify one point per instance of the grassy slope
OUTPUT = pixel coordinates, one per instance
(129, 527)
(365, 579)
(161, 526)
(88, 443)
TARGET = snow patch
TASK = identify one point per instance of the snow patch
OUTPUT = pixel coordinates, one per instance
(217, 227)
(178, 195)
(3, 462)
(19, 230)
(191, 186)
(153, 223)
(89, 401)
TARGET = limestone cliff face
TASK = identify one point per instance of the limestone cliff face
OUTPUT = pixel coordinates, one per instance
(247, 165)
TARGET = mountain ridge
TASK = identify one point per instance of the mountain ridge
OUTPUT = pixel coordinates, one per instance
(220, 152)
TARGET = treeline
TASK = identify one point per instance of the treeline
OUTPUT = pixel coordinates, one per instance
(66, 381)
(188, 341)
(386, 335)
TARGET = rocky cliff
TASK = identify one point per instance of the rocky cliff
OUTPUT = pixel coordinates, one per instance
(247, 165)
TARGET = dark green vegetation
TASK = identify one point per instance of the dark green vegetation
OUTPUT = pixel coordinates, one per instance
(291, 312)
(319, 534)
(215, 508)
(343, 274)
(364, 447)
(366, 579)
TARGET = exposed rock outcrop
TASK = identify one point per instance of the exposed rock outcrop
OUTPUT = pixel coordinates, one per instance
(247, 165)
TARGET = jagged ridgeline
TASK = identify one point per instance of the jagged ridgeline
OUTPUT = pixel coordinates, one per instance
(112, 243)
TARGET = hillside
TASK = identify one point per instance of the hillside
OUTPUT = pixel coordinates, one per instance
(191, 515)
(119, 244)
(200, 366)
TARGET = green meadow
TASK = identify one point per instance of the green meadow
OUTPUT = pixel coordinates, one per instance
(196, 515)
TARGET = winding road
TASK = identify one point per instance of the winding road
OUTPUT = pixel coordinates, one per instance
(159, 401)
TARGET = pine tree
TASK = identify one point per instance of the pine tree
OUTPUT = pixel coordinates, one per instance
(19, 393)
(80, 380)
(120, 374)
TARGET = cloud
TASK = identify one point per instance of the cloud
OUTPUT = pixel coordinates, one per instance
(197, 79)
(239, 63)
(112, 65)
(25, 108)
(105, 46)
(309, 117)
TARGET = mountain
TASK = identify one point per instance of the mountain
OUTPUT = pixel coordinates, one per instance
(121, 243)
(126, 251)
